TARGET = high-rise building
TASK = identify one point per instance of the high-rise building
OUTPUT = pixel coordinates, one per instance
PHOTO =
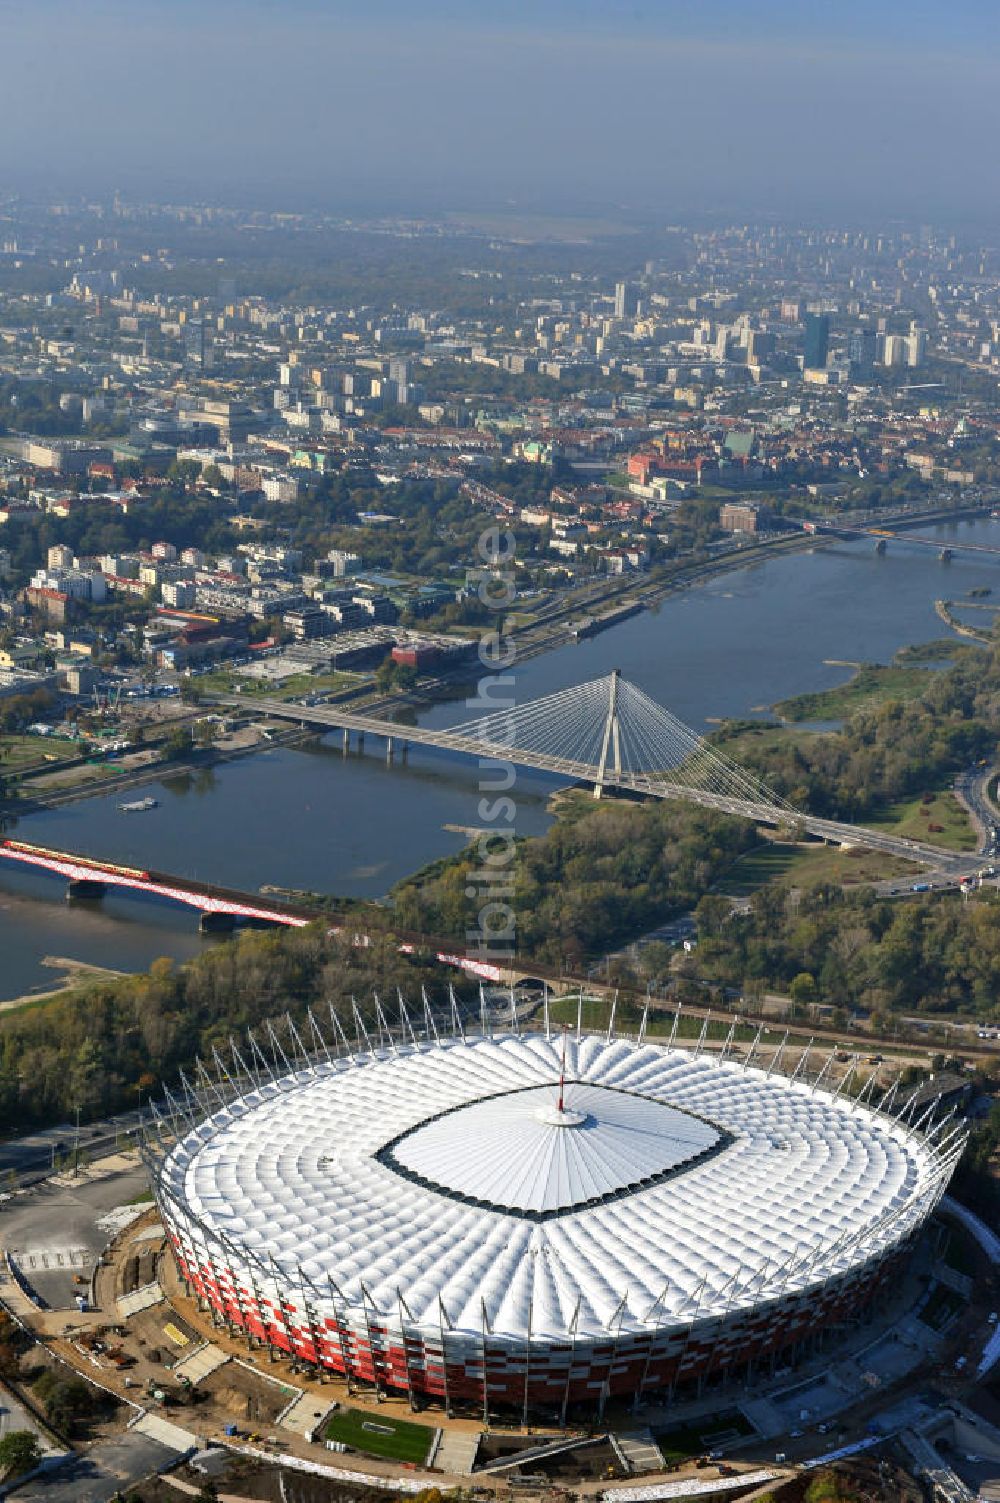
(399, 374)
(861, 350)
(817, 341)
(760, 346)
(198, 350)
(915, 345)
(625, 300)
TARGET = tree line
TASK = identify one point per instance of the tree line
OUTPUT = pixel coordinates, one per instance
(932, 953)
(599, 877)
(886, 751)
(111, 1045)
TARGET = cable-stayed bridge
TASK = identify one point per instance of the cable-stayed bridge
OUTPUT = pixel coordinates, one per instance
(610, 734)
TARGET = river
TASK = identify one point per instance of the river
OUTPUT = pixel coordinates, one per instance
(314, 819)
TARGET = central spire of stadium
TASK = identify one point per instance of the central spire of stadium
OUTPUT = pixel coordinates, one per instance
(558, 1116)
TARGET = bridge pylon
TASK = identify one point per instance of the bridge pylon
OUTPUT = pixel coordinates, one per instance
(612, 737)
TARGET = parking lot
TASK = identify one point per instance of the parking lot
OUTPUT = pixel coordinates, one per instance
(55, 1232)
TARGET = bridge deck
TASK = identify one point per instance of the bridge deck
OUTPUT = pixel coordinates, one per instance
(888, 535)
(651, 785)
(204, 896)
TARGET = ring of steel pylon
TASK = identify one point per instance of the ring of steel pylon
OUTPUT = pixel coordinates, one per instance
(428, 1216)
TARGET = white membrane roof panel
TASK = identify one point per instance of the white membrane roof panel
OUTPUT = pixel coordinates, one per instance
(518, 1151)
(714, 1185)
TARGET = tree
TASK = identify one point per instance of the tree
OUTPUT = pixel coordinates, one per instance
(20, 1452)
(657, 958)
(213, 477)
(385, 676)
(803, 989)
(177, 745)
(68, 1401)
(184, 470)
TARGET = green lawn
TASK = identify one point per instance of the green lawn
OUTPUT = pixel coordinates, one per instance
(18, 752)
(300, 684)
(380, 1435)
(684, 1441)
(768, 863)
(595, 1012)
(799, 866)
(913, 818)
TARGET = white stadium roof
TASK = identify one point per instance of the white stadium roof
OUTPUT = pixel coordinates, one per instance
(519, 1151)
(672, 1180)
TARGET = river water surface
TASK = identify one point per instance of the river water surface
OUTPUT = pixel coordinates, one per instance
(313, 819)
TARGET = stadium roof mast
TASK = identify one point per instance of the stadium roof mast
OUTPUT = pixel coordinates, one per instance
(559, 1116)
(562, 1073)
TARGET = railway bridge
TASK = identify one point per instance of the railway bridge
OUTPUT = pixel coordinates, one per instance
(220, 908)
(606, 733)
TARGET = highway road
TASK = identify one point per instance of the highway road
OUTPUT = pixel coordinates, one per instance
(33, 1154)
(971, 789)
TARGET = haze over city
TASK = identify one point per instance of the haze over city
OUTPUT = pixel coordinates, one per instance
(647, 109)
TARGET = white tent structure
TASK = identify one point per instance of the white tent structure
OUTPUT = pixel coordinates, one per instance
(537, 1221)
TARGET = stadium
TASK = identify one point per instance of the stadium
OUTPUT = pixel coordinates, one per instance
(537, 1222)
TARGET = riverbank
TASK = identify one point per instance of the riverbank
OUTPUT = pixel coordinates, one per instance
(629, 596)
(871, 685)
(944, 610)
(74, 974)
(310, 818)
(154, 772)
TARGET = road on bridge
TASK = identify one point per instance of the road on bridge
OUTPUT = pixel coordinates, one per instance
(652, 784)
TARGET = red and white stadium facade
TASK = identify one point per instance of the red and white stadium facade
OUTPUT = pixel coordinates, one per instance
(444, 1217)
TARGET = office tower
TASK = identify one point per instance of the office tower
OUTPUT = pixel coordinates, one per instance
(198, 345)
(915, 345)
(625, 300)
(861, 351)
(760, 346)
(817, 342)
(399, 374)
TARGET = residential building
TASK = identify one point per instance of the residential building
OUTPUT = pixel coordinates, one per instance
(743, 516)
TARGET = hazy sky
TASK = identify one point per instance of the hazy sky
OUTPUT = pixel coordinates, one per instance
(887, 106)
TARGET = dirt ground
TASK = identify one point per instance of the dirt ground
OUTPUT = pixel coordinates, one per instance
(250, 1479)
(249, 1399)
